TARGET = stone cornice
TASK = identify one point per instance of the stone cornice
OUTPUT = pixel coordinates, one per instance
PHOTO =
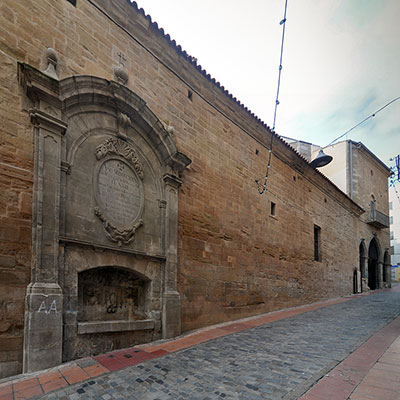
(47, 121)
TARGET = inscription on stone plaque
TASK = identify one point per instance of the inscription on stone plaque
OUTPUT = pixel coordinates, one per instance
(119, 192)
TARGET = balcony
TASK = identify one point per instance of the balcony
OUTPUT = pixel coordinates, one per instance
(378, 219)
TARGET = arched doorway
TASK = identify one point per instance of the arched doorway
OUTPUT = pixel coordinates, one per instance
(363, 258)
(373, 257)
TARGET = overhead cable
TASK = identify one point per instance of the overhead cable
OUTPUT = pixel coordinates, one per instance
(364, 120)
(262, 188)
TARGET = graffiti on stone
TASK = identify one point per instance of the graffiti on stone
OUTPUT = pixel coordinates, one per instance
(44, 308)
(110, 294)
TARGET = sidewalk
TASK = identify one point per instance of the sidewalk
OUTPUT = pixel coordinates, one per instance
(370, 372)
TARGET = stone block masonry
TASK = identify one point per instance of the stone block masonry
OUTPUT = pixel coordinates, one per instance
(201, 241)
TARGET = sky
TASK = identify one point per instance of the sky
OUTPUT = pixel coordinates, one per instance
(341, 62)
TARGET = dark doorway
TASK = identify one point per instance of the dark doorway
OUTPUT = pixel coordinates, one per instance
(373, 256)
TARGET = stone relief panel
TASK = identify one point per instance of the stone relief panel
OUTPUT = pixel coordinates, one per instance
(121, 148)
(111, 294)
(112, 189)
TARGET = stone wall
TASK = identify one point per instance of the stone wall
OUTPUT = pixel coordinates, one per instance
(16, 183)
(235, 258)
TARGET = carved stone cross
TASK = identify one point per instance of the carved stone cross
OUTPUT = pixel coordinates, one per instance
(122, 58)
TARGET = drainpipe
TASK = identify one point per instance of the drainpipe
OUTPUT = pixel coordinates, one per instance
(351, 168)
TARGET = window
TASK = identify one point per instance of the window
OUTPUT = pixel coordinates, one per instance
(73, 2)
(391, 220)
(391, 250)
(390, 205)
(372, 207)
(317, 240)
(391, 235)
(272, 208)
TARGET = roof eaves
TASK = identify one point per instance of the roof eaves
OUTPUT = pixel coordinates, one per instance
(368, 151)
(193, 61)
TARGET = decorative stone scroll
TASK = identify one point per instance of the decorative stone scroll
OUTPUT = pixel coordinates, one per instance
(114, 234)
(124, 122)
(121, 148)
(119, 191)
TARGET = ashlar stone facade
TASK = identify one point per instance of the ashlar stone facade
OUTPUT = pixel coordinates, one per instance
(128, 205)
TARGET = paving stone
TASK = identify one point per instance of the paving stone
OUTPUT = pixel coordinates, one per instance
(266, 362)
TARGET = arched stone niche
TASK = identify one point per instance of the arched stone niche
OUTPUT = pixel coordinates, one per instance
(112, 294)
(105, 199)
(363, 265)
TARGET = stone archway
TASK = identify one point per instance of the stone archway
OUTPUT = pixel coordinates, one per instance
(363, 265)
(373, 265)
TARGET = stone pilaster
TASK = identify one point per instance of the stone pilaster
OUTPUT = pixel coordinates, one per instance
(44, 298)
(171, 323)
(364, 273)
(379, 278)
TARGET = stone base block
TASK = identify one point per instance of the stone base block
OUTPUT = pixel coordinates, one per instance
(43, 327)
(171, 318)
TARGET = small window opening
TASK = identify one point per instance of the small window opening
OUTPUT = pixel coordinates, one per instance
(317, 240)
(272, 208)
(190, 95)
(256, 152)
(73, 2)
(294, 178)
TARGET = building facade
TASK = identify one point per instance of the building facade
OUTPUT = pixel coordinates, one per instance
(394, 211)
(360, 174)
(129, 210)
(364, 178)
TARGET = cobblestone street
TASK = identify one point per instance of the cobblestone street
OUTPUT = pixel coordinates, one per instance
(277, 360)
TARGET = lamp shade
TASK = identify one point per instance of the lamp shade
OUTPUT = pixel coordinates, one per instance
(321, 160)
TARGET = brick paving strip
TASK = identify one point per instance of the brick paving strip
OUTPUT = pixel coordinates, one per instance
(380, 377)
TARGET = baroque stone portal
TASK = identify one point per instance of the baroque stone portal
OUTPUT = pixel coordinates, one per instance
(105, 213)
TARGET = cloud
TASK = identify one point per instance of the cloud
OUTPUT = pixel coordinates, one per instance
(341, 62)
